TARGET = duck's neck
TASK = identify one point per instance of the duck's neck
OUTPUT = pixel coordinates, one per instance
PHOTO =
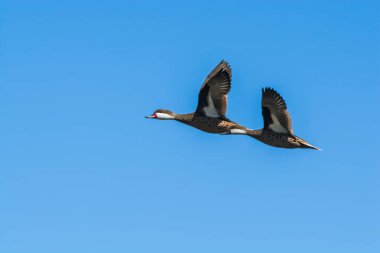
(184, 118)
(255, 133)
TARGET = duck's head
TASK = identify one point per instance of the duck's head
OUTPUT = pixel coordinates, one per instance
(162, 114)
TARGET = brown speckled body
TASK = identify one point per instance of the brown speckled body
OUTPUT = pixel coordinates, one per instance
(279, 140)
(208, 124)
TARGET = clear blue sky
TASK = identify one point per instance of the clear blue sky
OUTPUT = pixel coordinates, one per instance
(82, 170)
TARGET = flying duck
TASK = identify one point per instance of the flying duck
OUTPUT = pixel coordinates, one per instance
(277, 129)
(210, 115)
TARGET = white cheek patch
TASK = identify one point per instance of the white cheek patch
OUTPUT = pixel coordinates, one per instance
(276, 126)
(164, 116)
(238, 131)
(210, 109)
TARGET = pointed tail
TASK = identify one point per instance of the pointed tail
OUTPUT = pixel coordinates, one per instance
(305, 144)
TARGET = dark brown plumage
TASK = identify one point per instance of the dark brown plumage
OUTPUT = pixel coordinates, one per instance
(212, 98)
(210, 115)
(275, 112)
(277, 130)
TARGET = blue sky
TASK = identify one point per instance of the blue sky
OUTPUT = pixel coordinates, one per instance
(82, 170)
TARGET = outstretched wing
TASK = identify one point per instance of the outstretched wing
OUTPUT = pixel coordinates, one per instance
(274, 110)
(212, 99)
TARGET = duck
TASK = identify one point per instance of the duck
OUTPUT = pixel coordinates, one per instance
(210, 114)
(277, 130)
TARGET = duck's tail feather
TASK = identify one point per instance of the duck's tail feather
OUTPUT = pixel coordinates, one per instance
(305, 144)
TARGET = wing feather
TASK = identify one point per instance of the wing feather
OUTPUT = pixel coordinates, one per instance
(212, 99)
(275, 114)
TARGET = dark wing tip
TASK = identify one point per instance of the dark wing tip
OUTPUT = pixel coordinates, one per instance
(223, 61)
(224, 65)
(223, 69)
(270, 93)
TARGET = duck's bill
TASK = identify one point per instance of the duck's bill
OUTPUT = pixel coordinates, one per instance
(150, 117)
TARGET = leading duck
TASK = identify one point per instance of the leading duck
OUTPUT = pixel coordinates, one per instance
(210, 115)
(212, 106)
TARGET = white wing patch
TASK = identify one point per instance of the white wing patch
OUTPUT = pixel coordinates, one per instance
(238, 131)
(210, 109)
(276, 126)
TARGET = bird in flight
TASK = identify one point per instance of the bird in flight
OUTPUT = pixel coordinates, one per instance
(210, 115)
(277, 130)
